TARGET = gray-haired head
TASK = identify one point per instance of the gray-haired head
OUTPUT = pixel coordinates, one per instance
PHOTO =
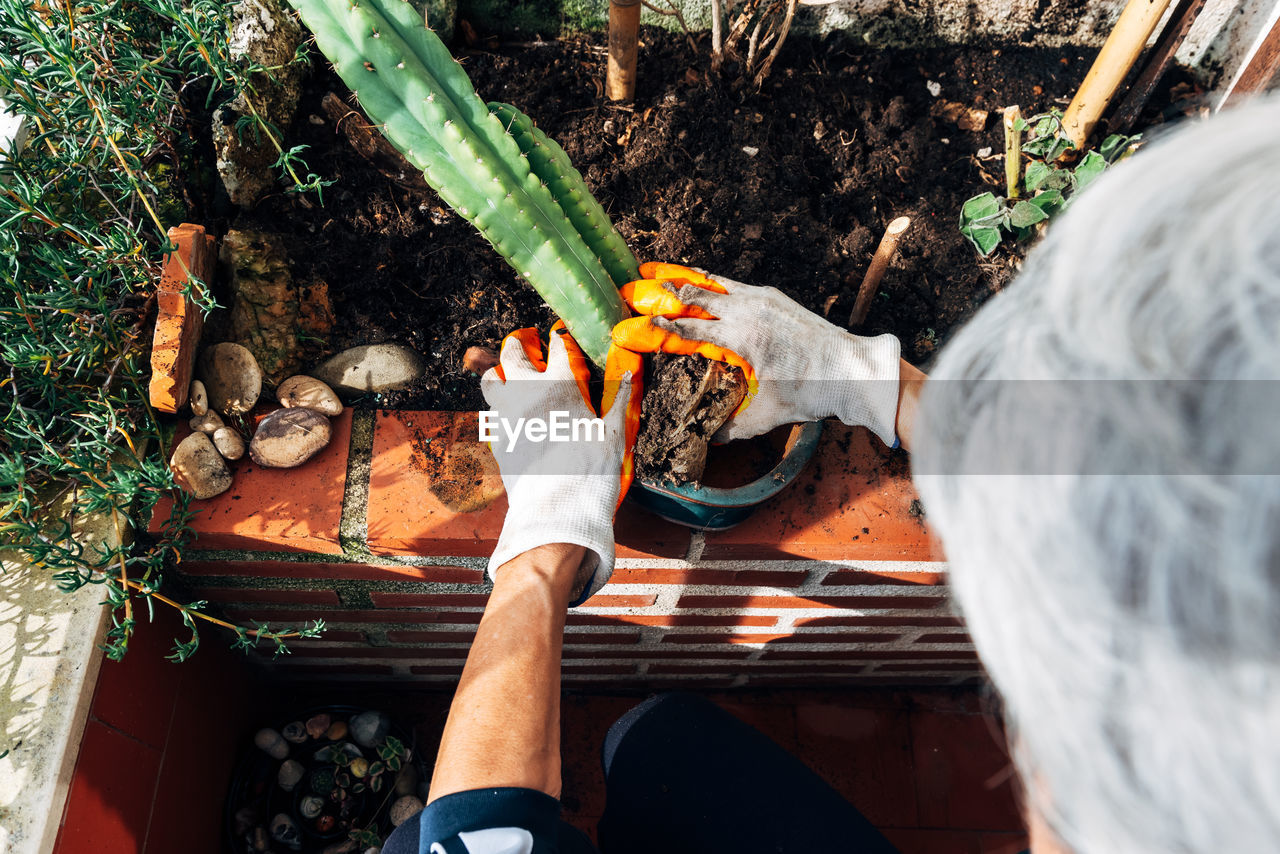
(1098, 450)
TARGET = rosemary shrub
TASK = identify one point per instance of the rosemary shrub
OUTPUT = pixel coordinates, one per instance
(83, 215)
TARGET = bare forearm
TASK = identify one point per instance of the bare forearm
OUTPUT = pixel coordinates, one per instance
(504, 723)
(910, 383)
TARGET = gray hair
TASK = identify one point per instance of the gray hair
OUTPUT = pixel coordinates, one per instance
(1114, 526)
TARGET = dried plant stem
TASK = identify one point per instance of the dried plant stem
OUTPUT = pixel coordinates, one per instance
(782, 32)
(717, 33)
(673, 11)
(1012, 152)
(879, 263)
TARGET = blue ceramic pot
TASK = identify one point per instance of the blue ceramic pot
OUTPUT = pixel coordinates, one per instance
(710, 508)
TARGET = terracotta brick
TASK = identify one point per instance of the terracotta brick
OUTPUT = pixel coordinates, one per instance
(600, 670)
(857, 577)
(747, 668)
(913, 620)
(330, 636)
(718, 637)
(721, 577)
(936, 666)
(612, 638)
(429, 600)
(277, 615)
(366, 651)
(946, 637)
(715, 600)
(436, 669)
(179, 320)
(927, 841)
(281, 597)
(578, 619)
(326, 669)
(339, 571)
(867, 654)
(435, 489)
(657, 654)
(624, 600)
(414, 636)
(275, 510)
(853, 501)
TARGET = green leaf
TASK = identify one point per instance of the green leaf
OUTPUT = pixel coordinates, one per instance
(1115, 146)
(1050, 201)
(979, 207)
(1092, 166)
(985, 239)
(375, 784)
(1025, 214)
(1037, 173)
(394, 763)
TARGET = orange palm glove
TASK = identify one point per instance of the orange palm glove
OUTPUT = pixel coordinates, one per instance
(798, 366)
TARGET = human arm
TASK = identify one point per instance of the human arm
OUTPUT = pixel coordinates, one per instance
(503, 728)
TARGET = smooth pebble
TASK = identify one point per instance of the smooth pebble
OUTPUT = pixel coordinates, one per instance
(198, 467)
(289, 437)
(308, 393)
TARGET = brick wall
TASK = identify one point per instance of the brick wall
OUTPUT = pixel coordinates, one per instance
(385, 536)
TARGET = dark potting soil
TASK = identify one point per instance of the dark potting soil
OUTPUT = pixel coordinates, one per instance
(790, 186)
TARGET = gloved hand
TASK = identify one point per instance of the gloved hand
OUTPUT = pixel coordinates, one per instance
(799, 367)
(560, 491)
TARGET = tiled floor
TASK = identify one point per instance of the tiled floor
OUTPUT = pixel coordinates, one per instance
(926, 767)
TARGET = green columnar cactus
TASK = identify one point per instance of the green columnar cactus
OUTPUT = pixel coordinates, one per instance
(412, 87)
(549, 162)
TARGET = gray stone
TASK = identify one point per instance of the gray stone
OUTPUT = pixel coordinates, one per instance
(308, 393)
(370, 728)
(271, 743)
(263, 32)
(232, 377)
(264, 301)
(295, 732)
(208, 424)
(371, 368)
(198, 398)
(407, 779)
(228, 443)
(290, 774)
(404, 809)
(289, 437)
(198, 467)
(311, 806)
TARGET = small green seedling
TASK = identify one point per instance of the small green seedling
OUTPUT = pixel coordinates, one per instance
(1049, 187)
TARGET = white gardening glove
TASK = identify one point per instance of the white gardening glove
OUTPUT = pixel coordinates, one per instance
(799, 367)
(557, 491)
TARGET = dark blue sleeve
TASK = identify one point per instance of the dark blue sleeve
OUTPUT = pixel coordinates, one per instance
(487, 821)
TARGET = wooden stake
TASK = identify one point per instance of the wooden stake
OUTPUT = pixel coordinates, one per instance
(1012, 152)
(624, 40)
(1171, 38)
(1136, 24)
(879, 263)
(1261, 69)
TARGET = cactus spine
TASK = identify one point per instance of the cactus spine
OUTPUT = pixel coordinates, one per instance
(409, 84)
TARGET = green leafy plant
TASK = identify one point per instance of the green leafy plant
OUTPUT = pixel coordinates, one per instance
(489, 163)
(84, 212)
(1051, 183)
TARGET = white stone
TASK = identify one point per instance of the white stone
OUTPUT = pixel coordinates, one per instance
(289, 437)
(371, 368)
(198, 467)
(228, 443)
(231, 377)
(198, 398)
(308, 393)
(208, 424)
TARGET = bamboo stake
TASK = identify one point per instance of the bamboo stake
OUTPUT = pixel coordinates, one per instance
(879, 263)
(624, 39)
(1012, 152)
(1162, 56)
(1136, 24)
